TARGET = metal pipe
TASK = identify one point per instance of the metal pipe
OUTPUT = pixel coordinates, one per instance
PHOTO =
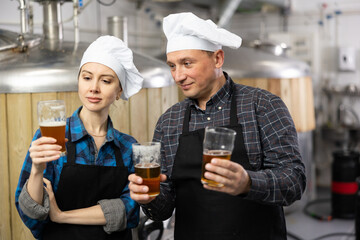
(52, 26)
(279, 3)
(23, 16)
(76, 21)
(118, 27)
(229, 9)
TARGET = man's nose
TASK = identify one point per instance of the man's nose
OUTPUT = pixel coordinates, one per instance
(179, 75)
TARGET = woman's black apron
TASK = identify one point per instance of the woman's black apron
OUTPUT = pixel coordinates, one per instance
(82, 186)
(205, 214)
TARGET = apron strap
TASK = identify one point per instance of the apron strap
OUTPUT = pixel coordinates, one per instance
(118, 156)
(71, 151)
(233, 112)
(70, 148)
(186, 119)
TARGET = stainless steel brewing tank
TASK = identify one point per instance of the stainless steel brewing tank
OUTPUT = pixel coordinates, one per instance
(247, 62)
(53, 66)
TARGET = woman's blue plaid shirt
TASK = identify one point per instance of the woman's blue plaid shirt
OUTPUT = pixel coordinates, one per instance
(86, 153)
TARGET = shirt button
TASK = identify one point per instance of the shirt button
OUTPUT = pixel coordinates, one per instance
(219, 108)
(208, 118)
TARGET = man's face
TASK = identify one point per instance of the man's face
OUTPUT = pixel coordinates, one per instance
(195, 72)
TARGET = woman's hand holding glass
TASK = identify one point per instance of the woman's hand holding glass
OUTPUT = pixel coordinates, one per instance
(42, 151)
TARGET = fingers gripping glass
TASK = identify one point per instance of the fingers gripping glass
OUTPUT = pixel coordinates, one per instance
(218, 143)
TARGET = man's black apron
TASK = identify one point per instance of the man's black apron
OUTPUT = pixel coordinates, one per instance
(82, 186)
(205, 214)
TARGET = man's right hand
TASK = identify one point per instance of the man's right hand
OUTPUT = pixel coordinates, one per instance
(138, 192)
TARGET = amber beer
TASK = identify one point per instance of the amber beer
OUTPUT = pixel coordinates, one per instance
(150, 173)
(55, 130)
(146, 157)
(207, 158)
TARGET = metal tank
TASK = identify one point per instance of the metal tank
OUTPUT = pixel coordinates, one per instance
(41, 67)
(265, 65)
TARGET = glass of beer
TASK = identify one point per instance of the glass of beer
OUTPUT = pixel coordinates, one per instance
(52, 121)
(218, 143)
(146, 157)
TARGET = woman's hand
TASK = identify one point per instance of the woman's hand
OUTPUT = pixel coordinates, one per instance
(43, 150)
(138, 192)
(55, 213)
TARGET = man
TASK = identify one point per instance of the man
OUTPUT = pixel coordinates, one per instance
(265, 171)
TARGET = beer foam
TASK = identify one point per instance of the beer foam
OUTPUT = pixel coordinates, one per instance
(52, 124)
(147, 153)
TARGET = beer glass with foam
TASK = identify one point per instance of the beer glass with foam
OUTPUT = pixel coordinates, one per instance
(52, 121)
(218, 143)
(146, 157)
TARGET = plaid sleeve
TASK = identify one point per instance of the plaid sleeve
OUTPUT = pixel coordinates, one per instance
(35, 226)
(281, 180)
(162, 207)
(131, 207)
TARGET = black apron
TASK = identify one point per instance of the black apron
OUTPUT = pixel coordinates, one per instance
(205, 214)
(82, 186)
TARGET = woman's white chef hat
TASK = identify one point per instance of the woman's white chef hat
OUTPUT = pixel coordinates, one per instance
(187, 31)
(113, 53)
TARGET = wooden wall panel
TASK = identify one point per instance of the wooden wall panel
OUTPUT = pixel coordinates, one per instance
(120, 115)
(72, 101)
(19, 139)
(170, 96)
(5, 226)
(309, 103)
(35, 98)
(138, 116)
(154, 100)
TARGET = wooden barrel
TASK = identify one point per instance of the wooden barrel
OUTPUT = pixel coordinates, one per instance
(18, 123)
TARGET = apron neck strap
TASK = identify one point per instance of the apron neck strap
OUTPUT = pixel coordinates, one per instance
(187, 119)
(233, 108)
(233, 112)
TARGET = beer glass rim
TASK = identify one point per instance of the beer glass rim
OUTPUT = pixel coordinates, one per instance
(146, 144)
(221, 130)
(52, 101)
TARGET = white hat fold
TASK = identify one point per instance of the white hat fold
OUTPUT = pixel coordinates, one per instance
(187, 31)
(113, 53)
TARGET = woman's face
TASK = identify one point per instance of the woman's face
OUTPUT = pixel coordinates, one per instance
(98, 86)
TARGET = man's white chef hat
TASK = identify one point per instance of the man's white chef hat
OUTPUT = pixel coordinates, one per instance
(187, 31)
(113, 53)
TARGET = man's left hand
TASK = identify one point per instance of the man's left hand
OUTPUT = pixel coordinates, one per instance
(235, 178)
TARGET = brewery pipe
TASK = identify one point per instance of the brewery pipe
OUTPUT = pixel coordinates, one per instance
(228, 11)
(52, 26)
(23, 13)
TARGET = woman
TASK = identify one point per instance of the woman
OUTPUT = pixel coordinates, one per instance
(85, 194)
